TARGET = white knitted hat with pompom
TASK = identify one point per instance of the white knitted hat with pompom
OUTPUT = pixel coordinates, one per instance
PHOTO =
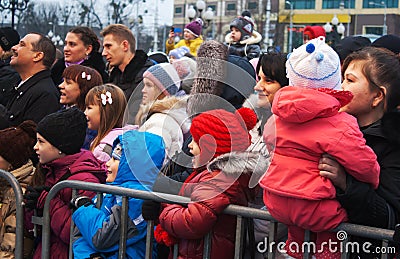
(314, 65)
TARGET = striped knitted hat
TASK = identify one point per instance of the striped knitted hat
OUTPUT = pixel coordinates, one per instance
(314, 65)
(218, 132)
(165, 77)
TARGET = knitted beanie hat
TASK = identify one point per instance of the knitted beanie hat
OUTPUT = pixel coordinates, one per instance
(65, 130)
(391, 42)
(195, 27)
(218, 132)
(314, 65)
(165, 77)
(8, 38)
(16, 143)
(245, 25)
(179, 52)
(314, 31)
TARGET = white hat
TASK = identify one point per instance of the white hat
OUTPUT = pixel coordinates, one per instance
(314, 65)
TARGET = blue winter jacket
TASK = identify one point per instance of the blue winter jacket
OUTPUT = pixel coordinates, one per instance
(142, 157)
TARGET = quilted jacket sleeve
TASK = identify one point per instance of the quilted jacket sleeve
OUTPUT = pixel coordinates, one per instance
(199, 217)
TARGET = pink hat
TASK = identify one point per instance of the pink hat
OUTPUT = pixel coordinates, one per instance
(195, 27)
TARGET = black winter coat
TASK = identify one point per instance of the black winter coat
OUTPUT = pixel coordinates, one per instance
(95, 61)
(33, 100)
(9, 78)
(133, 73)
(380, 207)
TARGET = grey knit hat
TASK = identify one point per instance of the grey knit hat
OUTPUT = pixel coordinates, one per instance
(165, 77)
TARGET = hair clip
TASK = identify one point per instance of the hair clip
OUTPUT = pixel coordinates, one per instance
(87, 76)
(106, 98)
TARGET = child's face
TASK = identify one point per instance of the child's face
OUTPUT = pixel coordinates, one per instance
(194, 149)
(92, 113)
(150, 91)
(45, 151)
(171, 59)
(188, 36)
(235, 34)
(4, 165)
(112, 169)
(70, 92)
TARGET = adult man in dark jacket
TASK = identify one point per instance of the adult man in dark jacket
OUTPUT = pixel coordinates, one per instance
(126, 63)
(36, 95)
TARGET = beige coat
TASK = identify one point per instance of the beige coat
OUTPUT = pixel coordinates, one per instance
(8, 212)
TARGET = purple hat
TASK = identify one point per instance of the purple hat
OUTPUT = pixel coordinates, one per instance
(195, 27)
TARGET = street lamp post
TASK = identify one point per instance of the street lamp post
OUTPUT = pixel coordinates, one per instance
(290, 26)
(13, 6)
(382, 4)
(341, 6)
(334, 32)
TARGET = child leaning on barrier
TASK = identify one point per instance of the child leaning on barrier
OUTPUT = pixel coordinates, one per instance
(60, 137)
(16, 147)
(223, 175)
(306, 126)
(136, 160)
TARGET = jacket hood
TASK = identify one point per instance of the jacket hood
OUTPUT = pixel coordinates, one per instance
(175, 107)
(238, 163)
(142, 157)
(254, 39)
(298, 105)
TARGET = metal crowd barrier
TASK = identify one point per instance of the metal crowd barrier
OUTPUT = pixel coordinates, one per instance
(19, 230)
(239, 211)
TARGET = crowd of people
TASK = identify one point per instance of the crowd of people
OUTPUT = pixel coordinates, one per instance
(312, 137)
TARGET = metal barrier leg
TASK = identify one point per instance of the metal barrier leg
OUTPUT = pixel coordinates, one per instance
(239, 237)
(273, 230)
(207, 246)
(149, 239)
(71, 252)
(307, 234)
(175, 254)
(124, 228)
(385, 245)
(19, 213)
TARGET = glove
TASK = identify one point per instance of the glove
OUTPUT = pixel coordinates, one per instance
(80, 201)
(33, 195)
(151, 210)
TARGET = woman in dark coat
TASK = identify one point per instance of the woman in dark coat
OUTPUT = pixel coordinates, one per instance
(82, 48)
(372, 75)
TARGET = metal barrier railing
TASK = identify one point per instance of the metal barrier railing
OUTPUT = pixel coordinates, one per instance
(19, 230)
(239, 211)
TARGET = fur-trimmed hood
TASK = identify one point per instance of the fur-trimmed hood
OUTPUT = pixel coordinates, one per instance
(238, 163)
(254, 39)
(171, 105)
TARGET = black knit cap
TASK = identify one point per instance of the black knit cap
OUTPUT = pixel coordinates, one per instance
(65, 130)
(8, 38)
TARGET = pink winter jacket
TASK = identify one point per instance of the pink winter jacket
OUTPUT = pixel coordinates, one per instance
(308, 124)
